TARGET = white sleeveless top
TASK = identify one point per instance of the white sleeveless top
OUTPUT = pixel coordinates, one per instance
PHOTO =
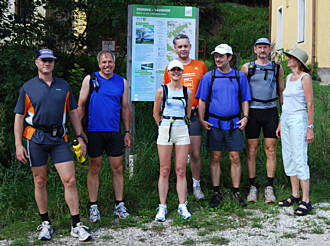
(294, 100)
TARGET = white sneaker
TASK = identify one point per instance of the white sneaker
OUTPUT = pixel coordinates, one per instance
(121, 211)
(161, 214)
(46, 231)
(269, 194)
(198, 193)
(183, 211)
(80, 232)
(253, 194)
(94, 214)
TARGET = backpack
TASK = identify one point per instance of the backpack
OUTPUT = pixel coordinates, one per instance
(93, 85)
(275, 68)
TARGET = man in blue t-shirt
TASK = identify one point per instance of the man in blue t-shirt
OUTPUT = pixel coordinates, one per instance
(107, 103)
(222, 92)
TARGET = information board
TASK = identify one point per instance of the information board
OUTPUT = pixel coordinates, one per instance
(152, 32)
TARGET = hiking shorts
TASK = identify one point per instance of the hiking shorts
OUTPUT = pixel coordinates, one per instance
(219, 140)
(179, 135)
(38, 153)
(267, 119)
(110, 142)
(195, 128)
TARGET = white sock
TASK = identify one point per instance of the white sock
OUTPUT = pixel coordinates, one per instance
(162, 205)
(182, 205)
(196, 183)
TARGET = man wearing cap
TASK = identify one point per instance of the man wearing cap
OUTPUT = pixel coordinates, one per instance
(221, 92)
(193, 72)
(43, 103)
(266, 82)
(108, 102)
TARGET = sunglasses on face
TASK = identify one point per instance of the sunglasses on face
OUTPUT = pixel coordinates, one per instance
(50, 60)
(176, 69)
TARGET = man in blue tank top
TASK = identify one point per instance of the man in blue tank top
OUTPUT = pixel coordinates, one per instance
(107, 101)
(266, 82)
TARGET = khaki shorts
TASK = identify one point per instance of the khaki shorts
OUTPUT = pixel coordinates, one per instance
(179, 135)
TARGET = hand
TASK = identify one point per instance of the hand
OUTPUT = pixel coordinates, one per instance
(242, 123)
(127, 140)
(206, 125)
(310, 135)
(82, 146)
(21, 154)
(278, 130)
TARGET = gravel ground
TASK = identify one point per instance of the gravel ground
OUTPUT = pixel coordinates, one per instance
(281, 229)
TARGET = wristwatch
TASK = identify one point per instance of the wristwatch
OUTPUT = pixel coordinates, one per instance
(246, 116)
(310, 126)
(127, 131)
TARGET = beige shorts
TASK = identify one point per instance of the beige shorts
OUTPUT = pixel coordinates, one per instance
(179, 135)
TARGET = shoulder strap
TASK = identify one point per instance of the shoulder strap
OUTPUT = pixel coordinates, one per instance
(208, 102)
(276, 68)
(239, 87)
(185, 95)
(165, 93)
(93, 83)
(251, 70)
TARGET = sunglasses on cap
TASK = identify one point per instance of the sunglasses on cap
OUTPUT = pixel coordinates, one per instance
(50, 60)
(175, 69)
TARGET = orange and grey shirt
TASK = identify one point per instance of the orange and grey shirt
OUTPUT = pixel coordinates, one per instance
(192, 74)
(46, 106)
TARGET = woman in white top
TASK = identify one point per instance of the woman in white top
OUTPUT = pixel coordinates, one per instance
(297, 129)
(172, 119)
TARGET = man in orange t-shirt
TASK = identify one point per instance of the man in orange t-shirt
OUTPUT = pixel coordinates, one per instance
(192, 74)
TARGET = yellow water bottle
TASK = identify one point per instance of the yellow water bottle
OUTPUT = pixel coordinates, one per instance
(77, 150)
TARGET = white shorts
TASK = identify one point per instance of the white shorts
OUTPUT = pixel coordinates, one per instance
(179, 135)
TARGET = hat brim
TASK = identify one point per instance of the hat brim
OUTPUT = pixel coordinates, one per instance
(262, 43)
(288, 53)
(47, 56)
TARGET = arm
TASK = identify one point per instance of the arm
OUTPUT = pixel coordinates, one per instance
(21, 153)
(308, 89)
(245, 69)
(84, 91)
(76, 123)
(244, 120)
(157, 105)
(125, 112)
(281, 84)
(201, 112)
(189, 103)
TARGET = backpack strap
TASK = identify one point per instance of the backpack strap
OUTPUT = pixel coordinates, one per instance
(251, 70)
(185, 95)
(276, 68)
(93, 85)
(165, 93)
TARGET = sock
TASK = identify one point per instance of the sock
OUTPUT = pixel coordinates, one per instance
(235, 190)
(44, 217)
(182, 205)
(196, 183)
(270, 181)
(163, 205)
(252, 182)
(75, 220)
(92, 203)
(117, 202)
(216, 189)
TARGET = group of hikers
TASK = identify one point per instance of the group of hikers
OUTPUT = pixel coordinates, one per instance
(224, 102)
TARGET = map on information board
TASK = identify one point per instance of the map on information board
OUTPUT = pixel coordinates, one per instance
(153, 31)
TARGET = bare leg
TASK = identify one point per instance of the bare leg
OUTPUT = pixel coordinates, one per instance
(195, 154)
(164, 153)
(270, 149)
(215, 167)
(40, 189)
(67, 174)
(295, 186)
(116, 164)
(252, 150)
(305, 190)
(181, 155)
(93, 177)
(236, 168)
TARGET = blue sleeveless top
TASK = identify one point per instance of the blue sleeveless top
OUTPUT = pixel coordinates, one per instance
(105, 104)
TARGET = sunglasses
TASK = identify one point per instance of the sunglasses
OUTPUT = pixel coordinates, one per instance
(176, 69)
(50, 60)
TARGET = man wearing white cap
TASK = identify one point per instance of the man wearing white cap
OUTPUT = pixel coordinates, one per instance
(266, 82)
(222, 92)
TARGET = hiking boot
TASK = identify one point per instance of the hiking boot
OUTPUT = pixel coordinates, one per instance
(269, 194)
(121, 210)
(237, 196)
(215, 200)
(253, 194)
(183, 211)
(46, 231)
(198, 193)
(80, 232)
(161, 214)
(94, 214)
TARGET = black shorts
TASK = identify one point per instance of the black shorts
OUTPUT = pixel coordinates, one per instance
(38, 153)
(219, 140)
(195, 128)
(267, 119)
(111, 142)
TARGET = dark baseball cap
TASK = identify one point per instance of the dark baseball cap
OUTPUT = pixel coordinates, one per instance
(262, 41)
(46, 53)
